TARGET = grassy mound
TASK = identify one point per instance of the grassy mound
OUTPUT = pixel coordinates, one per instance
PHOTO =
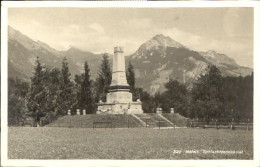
(104, 121)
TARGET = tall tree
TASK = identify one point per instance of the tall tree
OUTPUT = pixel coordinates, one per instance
(65, 77)
(238, 96)
(46, 95)
(175, 96)
(36, 97)
(35, 94)
(207, 95)
(130, 76)
(104, 78)
(86, 101)
(67, 96)
(148, 104)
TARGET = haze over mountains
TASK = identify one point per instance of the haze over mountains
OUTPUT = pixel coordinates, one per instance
(155, 61)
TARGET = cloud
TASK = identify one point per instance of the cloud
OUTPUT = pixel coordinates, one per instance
(97, 27)
(237, 17)
(187, 39)
(137, 24)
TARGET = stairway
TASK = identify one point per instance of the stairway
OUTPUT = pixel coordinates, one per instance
(177, 119)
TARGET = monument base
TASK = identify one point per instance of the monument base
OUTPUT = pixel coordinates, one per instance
(120, 108)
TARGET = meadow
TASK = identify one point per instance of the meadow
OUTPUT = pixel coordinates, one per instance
(133, 143)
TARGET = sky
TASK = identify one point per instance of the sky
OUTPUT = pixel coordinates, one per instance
(98, 30)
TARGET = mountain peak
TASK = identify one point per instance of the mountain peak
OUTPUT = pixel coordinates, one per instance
(163, 41)
(74, 49)
(159, 36)
(160, 41)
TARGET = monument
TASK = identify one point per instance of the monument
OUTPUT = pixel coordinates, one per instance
(119, 98)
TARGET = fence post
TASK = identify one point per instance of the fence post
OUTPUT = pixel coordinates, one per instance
(128, 121)
(247, 127)
(231, 126)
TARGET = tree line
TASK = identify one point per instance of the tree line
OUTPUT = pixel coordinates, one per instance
(52, 92)
(212, 96)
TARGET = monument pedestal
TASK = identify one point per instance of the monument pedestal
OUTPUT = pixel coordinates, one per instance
(120, 108)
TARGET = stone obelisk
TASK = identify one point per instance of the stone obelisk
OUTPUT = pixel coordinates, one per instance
(119, 90)
(119, 75)
(119, 98)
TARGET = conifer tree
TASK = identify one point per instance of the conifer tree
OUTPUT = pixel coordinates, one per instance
(34, 100)
(207, 95)
(175, 97)
(85, 101)
(37, 94)
(66, 95)
(104, 78)
(130, 76)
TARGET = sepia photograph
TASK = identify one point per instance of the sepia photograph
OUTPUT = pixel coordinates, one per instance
(129, 83)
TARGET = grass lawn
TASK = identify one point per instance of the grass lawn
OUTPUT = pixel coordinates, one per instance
(136, 143)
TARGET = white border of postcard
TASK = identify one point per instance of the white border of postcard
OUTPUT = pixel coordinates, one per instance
(140, 4)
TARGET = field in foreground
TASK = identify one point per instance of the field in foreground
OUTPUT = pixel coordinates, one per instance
(136, 143)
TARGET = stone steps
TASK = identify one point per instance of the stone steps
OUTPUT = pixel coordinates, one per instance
(177, 119)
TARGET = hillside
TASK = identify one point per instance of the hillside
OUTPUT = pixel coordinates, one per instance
(23, 51)
(162, 58)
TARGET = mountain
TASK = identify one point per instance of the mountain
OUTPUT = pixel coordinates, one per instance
(78, 57)
(162, 58)
(28, 43)
(23, 51)
(157, 43)
(156, 61)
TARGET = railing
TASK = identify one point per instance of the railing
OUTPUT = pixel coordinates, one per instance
(149, 123)
(103, 124)
(223, 124)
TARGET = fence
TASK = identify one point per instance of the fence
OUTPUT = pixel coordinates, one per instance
(130, 122)
(224, 123)
(102, 124)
